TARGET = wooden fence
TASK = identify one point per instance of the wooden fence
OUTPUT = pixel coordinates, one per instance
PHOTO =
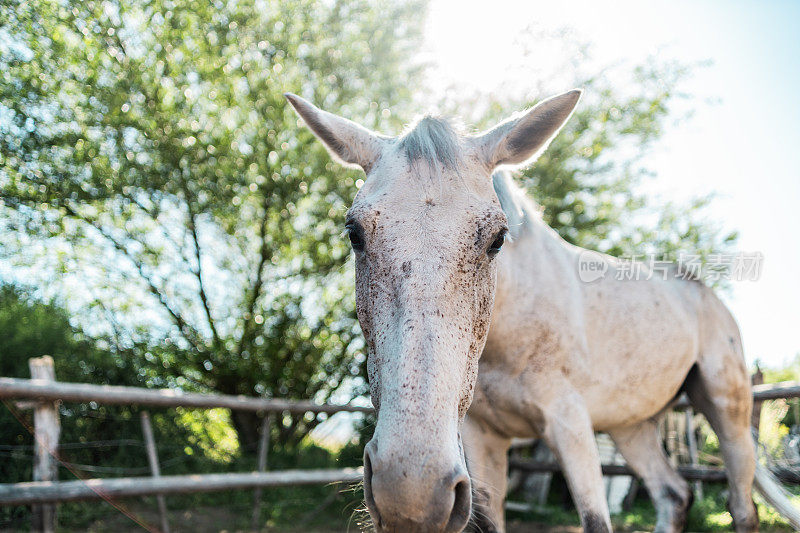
(42, 394)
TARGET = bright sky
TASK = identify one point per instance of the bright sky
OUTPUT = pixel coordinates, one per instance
(746, 147)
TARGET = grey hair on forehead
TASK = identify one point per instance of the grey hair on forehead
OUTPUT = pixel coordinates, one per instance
(432, 140)
(435, 140)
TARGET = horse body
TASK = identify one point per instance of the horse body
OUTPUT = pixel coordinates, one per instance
(469, 346)
(552, 332)
(565, 357)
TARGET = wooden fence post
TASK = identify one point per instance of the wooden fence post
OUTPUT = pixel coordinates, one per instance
(671, 437)
(46, 432)
(691, 440)
(263, 447)
(155, 469)
(755, 421)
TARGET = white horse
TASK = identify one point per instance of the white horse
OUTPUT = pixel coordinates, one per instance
(564, 357)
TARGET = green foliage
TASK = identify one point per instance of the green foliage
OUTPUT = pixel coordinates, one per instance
(33, 328)
(150, 142)
(97, 440)
(29, 330)
(211, 431)
(785, 372)
(109, 438)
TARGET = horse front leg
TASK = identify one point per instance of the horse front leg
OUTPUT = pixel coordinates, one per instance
(569, 433)
(487, 461)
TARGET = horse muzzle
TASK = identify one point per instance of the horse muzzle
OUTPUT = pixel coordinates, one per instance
(415, 496)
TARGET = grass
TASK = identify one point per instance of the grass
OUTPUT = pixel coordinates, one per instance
(707, 514)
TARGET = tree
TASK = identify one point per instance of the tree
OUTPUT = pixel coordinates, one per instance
(150, 168)
(151, 141)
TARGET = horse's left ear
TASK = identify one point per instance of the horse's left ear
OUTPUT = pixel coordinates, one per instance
(350, 143)
(522, 137)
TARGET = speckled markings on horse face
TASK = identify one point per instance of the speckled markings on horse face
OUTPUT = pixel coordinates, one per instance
(425, 281)
(424, 286)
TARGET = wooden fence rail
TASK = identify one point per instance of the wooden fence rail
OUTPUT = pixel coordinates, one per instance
(707, 474)
(768, 391)
(42, 394)
(37, 492)
(42, 390)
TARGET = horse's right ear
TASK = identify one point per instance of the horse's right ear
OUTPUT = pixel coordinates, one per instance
(348, 142)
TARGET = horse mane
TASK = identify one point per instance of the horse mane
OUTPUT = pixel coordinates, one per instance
(519, 208)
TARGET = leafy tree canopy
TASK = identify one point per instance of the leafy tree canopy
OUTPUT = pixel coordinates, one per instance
(152, 141)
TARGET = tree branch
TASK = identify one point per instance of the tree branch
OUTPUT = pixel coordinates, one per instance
(187, 331)
(198, 272)
(258, 280)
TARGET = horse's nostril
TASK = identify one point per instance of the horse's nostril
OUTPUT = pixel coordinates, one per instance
(462, 505)
(369, 498)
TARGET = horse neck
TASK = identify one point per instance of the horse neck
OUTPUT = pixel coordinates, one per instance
(536, 253)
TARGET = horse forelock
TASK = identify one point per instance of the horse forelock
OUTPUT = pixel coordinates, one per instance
(433, 141)
(436, 142)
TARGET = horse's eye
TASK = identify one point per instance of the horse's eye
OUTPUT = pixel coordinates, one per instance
(497, 243)
(356, 239)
